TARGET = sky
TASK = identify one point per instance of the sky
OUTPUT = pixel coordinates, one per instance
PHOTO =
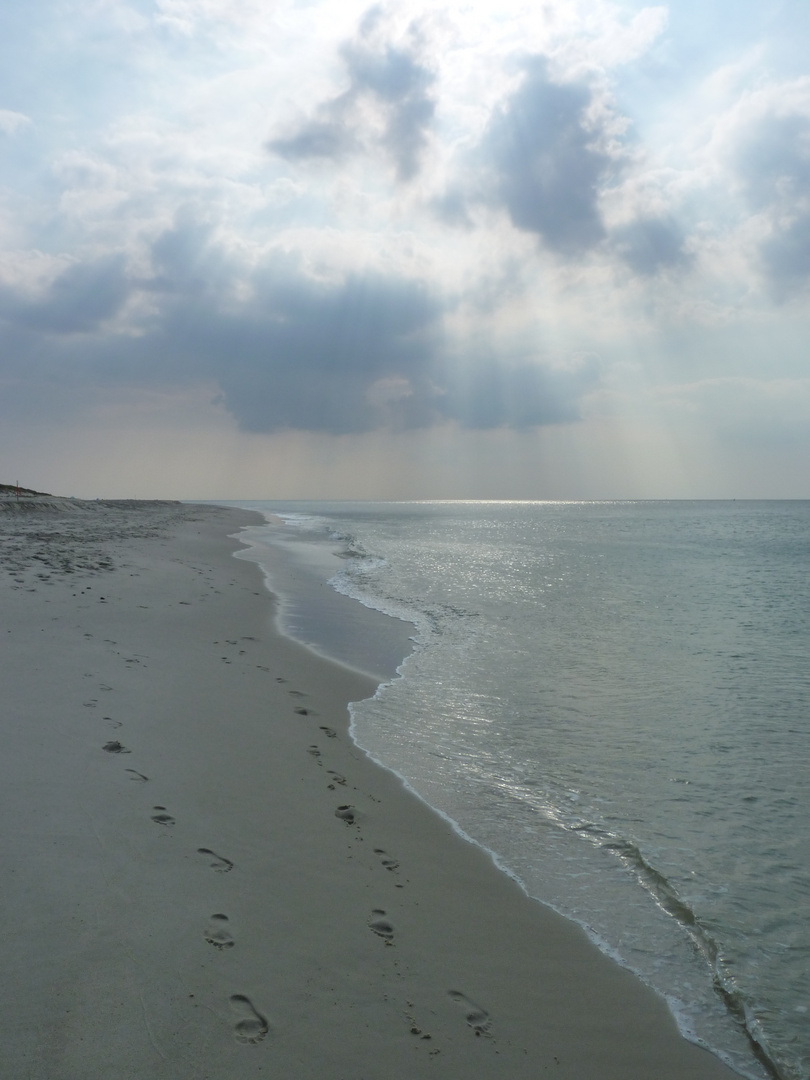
(332, 249)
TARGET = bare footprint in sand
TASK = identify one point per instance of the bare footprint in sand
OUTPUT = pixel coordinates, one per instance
(477, 1018)
(115, 747)
(386, 860)
(141, 779)
(330, 733)
(380, 926)
(162, 818)
(337, 777)
(347, 814)
(217, 935)
(220, 863)
(252, 1027)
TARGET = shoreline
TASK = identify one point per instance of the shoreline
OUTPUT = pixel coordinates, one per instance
(209, 878)
(318, 617)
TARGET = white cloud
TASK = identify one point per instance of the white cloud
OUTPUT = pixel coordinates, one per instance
(12, 122)
(187, 16)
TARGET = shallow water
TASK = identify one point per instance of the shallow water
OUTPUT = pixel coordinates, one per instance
(614, 698)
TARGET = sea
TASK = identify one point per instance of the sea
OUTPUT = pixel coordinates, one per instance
(613, 699)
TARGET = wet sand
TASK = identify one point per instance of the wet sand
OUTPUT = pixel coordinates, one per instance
(205, 878)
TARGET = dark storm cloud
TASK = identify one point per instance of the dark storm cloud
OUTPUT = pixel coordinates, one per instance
(651, 245)
(303, 353)
(773, 161)
(288, 351)
(77, 301)
(394, 81)
(546, 167)
(354, 354)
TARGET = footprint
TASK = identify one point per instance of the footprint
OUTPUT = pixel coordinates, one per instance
(336, 776)
(346, 813)
(314, 750)
(477, 1018)
(217, 935)
(137, 776)
(386, 860)
(330, 733)
(301, 712)
(113, 723)
(162, 819)
(381, 927)
(252, 1027)
(297, 693)
(115, 747)
(220, 863)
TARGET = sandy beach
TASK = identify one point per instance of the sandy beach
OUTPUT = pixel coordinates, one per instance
(204, 878)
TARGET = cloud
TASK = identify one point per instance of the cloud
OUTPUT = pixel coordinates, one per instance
(387, 105)
(326, 136)
(288, 349)
(303, 353)
(786, 255)
(79, 300)
(744, 409)
(651, 244)
(185, 259)
(772, 159)
(341, 354)
(187, 16)
(11, 122)
(485, 394)
(546, 162)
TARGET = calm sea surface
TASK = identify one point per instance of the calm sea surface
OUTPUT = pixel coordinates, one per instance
(614, 699)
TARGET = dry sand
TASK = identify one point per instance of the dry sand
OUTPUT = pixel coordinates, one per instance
(205, 879)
